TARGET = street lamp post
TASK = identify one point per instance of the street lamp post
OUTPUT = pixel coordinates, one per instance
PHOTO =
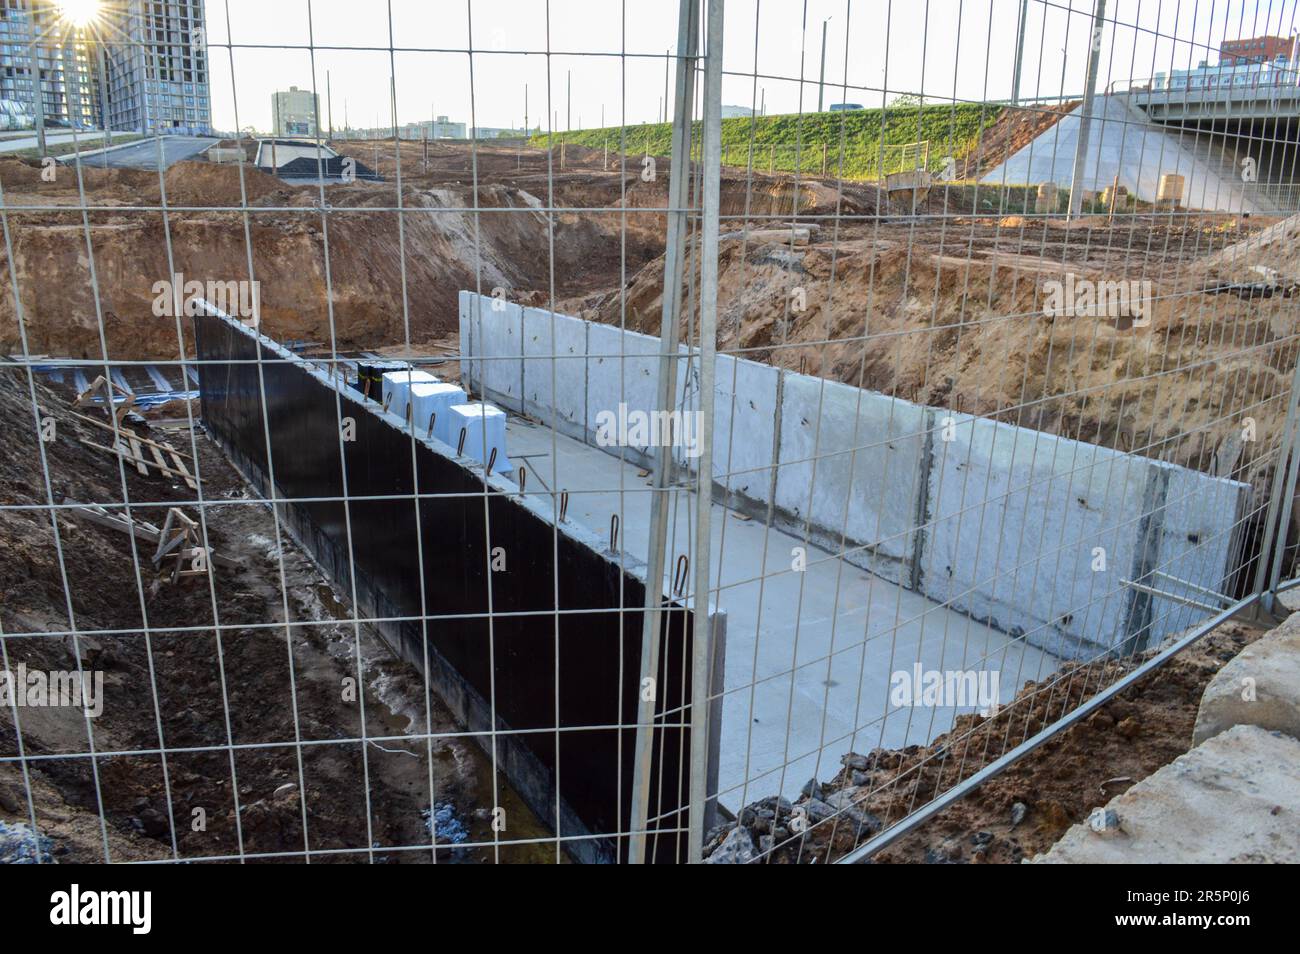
(821, 79)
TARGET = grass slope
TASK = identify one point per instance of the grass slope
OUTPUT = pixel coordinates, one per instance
(791, 143)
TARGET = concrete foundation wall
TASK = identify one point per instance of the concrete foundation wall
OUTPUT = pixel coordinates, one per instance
(1029, 532)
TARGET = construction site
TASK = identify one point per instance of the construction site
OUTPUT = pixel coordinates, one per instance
(667, 492)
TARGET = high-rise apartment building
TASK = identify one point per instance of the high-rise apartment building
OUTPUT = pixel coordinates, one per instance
(149, 57)
(158, 66)
(33, 37)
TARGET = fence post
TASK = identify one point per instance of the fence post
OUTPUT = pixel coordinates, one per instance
(702, 632)
(674, 262)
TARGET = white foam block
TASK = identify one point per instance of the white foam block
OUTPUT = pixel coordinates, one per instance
(485, 431)
(434, 399)
(396, 385)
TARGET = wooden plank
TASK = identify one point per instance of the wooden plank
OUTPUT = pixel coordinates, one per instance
(183, 475)
(138, 453)
(180, 465)
(143, 440)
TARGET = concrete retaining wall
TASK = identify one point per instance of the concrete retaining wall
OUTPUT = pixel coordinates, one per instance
(1029, 532)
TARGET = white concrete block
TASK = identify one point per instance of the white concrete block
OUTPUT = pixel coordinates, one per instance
(434, 399)
(485, 431)
(744, 419)
(1020, 520)
(500, 328)
(869, 470)
(556, 387)
(1200, 542)
(464, 300)
(621, 369)
(397, 386)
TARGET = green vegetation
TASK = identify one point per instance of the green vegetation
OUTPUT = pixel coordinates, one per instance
(792, 143)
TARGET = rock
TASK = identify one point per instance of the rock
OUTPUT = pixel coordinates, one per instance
(859, 779)
(817, 810)
(982, 839)
(858, 763)
(736, 849)
(1129, 728)
(865, 821)
(764, 813)
(1018, 812)
(285, 791)
(947, 852)
(1104, 821)
(153, 823)
(12, 801)
(811, 789)
(1261, 686)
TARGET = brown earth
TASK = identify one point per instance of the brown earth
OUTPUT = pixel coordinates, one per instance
(228, 704)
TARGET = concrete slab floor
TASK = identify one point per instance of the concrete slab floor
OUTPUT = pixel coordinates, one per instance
(809, 654)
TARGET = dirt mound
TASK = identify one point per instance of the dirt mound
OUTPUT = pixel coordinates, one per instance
(207, 183)
(1276, 247)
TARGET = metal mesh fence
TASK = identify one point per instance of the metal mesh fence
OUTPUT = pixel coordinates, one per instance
(876, 391)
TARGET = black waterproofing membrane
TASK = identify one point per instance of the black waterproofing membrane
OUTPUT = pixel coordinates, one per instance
(573, 670)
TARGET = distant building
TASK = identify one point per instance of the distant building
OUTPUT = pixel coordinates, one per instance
(442, 128)
(497, 132)
(1256, 49)
(736, 112)
(294, 112)
(157, 66)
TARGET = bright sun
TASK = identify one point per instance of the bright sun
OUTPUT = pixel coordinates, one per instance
(79, 13)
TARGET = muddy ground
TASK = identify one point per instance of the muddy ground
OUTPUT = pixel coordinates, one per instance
(228, 705)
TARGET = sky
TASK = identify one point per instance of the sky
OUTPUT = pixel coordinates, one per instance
(575, 61)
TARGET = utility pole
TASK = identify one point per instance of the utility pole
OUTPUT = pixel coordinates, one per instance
(329, 107)
(1020, 52)
(568, 104)
(821, 79)
(665, 99)
(526, 107)
(1085, 111)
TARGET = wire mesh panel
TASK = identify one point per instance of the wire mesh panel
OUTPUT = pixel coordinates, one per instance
(546, 432)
